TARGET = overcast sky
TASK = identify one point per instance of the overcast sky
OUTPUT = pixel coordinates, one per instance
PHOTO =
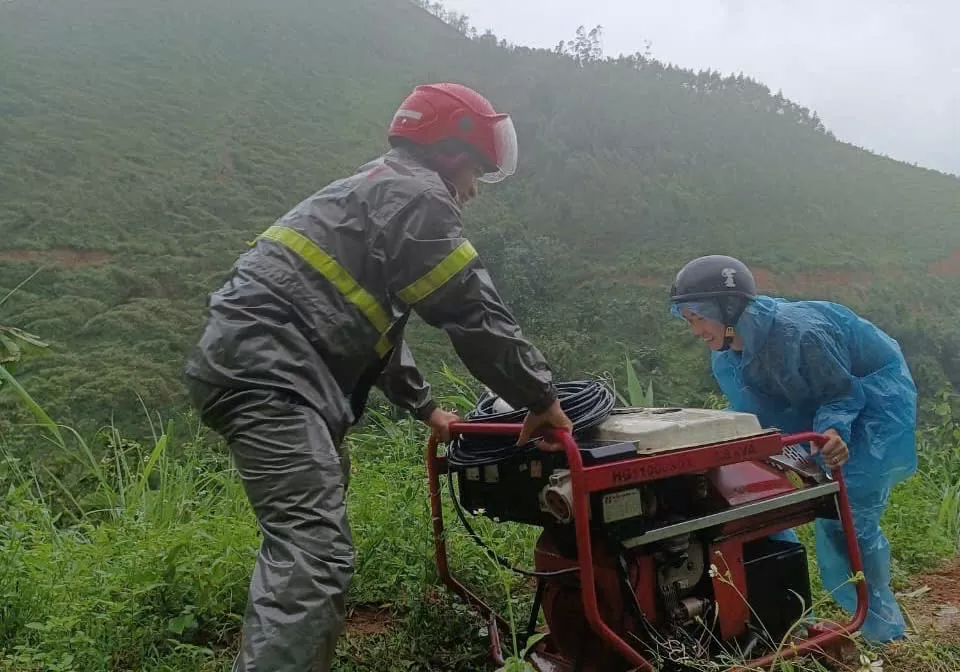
(882, 74)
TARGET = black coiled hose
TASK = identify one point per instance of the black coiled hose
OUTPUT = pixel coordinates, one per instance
(586, 402)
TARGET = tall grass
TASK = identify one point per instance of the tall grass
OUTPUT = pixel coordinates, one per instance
(137, 554)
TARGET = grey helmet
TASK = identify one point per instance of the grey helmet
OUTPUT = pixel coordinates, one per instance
(719, 278)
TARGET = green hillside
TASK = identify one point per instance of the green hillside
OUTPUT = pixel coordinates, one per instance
(142, 145)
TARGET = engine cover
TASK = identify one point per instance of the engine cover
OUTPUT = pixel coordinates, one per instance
(657, 430)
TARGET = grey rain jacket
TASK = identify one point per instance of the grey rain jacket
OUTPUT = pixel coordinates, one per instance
(317, 307)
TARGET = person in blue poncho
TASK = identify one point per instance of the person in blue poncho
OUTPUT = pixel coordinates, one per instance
(815, 366)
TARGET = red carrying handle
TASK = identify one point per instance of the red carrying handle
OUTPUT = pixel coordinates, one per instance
(581, 521)
(856, 564)
(584, 552)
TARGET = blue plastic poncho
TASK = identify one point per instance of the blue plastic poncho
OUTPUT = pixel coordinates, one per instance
(816, 365)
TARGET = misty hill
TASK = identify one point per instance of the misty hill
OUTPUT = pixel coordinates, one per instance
(142, 146)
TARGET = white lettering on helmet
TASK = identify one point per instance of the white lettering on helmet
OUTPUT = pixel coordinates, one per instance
(728, 277)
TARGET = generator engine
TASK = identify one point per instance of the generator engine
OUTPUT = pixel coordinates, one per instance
(684, 507)
(663, 592)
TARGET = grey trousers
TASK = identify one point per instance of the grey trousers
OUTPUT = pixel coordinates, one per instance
(296, 481)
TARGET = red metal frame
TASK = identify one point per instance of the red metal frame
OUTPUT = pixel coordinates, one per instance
(585, 480)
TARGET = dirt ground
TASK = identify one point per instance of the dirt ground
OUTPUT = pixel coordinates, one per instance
(949, 267)
(932, 609)
(931, 606)
(934, 605)
(369, 620)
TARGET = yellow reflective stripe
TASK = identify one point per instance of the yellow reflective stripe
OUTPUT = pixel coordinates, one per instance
(439, 274)
(383, 345)
(338, 276)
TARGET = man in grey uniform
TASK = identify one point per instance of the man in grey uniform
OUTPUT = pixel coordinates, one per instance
(313, 316)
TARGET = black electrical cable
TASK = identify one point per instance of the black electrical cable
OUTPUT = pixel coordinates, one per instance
(586, 402)
(493, 554)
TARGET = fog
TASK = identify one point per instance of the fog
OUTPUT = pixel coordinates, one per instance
(883, 75)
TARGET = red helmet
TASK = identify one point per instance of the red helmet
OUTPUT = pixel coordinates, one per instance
(438, 112)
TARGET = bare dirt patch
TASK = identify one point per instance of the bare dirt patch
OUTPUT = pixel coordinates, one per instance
(60, 256)
(931, 607)
(817, 279)
(934, 606)
(810, 281)
(368, 627)
(765, 279)
(947, 268)
(368, 620)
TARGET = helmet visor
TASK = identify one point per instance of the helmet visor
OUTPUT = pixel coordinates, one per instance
(708, 310)
(505, 146)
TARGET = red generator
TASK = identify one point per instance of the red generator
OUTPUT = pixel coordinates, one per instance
(659, 540)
